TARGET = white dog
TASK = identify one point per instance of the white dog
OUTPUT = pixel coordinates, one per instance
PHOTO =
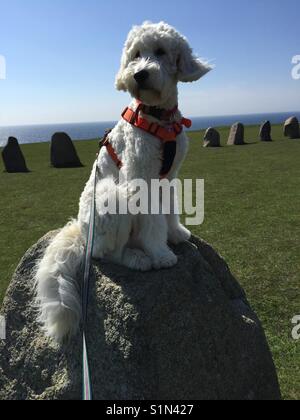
(155, 58)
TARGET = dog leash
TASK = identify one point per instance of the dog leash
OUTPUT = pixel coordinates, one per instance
(86, 376)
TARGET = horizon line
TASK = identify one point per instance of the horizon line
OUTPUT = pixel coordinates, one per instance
(115, 121)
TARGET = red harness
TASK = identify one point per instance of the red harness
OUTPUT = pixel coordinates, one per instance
(166, 135)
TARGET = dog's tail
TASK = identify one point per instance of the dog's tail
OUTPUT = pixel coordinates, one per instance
(57, 291)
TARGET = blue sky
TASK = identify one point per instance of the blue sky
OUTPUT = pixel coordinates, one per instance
(62, 56)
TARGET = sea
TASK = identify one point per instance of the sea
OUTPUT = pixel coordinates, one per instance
(83, 131)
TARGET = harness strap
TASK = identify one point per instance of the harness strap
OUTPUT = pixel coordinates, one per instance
(113, 154)
(167, 135)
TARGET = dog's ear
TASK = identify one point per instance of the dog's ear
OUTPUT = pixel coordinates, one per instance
(120, 85)
(119, 82)
(190, 68)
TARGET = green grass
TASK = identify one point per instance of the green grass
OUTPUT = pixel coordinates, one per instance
(252, 218)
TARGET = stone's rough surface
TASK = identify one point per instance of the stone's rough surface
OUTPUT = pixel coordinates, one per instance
(291, 128)
(265, 131)
(184, 333)
(13, 157)
(63, 152)
(236, 136)
(212, 138)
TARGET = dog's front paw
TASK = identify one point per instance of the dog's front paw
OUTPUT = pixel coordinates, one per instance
(137, 260)
(166, 259)
(179, 235)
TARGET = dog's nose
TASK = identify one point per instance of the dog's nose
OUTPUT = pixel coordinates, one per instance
(141, 77)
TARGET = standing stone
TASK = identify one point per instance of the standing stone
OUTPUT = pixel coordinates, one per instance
(63, 152)
(291, 128)
(187, 333)
(236, 136)
(13, 157)
(265, 131)
(211, 138)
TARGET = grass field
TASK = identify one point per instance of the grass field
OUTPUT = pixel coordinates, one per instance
(252, 208)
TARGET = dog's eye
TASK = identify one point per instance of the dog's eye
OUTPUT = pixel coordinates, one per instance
(160, 52)
(137, 55)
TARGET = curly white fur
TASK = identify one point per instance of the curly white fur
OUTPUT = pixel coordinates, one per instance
(138, 242)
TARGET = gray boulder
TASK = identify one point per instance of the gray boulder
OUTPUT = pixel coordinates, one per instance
(212, 138)
(180, 334)
(291, 128)
(63, 152)
(265, 131)
(13, 157)
(236, 135)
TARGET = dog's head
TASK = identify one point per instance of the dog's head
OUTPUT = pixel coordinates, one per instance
(155, 58)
